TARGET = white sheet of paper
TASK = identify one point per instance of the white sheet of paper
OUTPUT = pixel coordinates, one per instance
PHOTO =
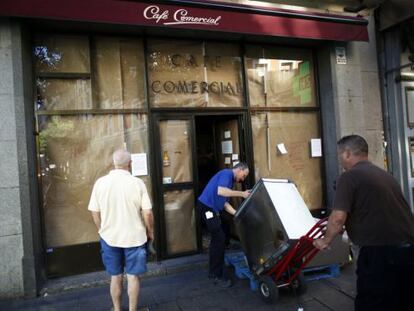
(139, 164)
(234, 156)
(227, 160)
(209, 215)
(316, 147)
(227, 147)
(227, 134)
(282, 148)
(167, 180)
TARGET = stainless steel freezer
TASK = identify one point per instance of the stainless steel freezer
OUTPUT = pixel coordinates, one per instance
(271, 220)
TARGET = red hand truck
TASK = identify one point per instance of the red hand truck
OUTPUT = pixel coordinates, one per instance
(288, 270)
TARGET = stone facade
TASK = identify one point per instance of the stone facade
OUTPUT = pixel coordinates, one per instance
(11, 236)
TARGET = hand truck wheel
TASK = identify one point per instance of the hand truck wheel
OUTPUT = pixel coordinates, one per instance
(268, 289)
(298, 285)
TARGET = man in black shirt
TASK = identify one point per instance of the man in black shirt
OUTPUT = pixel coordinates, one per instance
(369, 202)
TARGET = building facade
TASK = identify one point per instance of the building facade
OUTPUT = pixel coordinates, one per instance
(188, 87)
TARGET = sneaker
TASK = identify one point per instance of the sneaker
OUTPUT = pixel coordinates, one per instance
(223, 283)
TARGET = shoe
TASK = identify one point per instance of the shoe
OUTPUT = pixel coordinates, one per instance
(223, 283)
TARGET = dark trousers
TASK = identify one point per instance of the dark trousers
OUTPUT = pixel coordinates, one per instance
(217, 243)
(385, 278)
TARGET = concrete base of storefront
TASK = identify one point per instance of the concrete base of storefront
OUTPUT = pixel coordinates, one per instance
(96, 279)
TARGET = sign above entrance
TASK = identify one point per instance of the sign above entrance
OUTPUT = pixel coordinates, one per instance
(211, 16)
(178, 17)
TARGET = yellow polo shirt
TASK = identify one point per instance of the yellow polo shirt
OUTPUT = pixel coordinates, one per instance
(120, 197)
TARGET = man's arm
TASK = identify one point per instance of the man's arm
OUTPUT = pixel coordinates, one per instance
(336, 222)
(97, 219)
(226, 192)
(149, 222)
(229, 209)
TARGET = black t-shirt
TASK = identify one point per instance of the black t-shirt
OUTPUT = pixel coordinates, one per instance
(378, 214)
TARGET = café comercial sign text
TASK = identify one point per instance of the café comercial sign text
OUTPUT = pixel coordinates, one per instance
(178, 17)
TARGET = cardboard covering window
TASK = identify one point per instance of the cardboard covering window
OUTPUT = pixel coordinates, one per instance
(176, 150)
(74, 152)
(118, 73)
(64, 94)
(62, 54)
(224, 65)
(280, 77)
(194, 74)
(294, 130)
(180, 221)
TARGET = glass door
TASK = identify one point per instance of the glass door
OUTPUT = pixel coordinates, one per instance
(175, 178)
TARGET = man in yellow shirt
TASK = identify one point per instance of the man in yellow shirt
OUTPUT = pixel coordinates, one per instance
(122, 212)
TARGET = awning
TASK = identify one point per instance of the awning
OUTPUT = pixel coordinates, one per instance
(203, 15)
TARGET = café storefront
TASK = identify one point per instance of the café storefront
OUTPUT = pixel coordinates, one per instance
(189, 88)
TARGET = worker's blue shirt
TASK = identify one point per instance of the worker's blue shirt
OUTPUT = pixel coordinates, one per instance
(209, 197)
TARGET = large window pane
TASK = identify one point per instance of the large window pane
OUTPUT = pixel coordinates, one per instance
(176, 151)
(63, 94)
(180, 221)
(74, 152)
(294, 130)
(224, 69)
(194, 74)
(118, 73)
(280, 77)
(62, 54)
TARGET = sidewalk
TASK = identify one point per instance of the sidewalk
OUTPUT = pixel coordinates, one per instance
(182, 284)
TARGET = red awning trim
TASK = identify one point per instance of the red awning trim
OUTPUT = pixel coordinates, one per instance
(280, 23)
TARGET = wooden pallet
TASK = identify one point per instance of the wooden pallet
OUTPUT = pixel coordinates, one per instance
(242, 271)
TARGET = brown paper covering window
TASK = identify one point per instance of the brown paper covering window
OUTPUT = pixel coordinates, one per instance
(180, 221)
(294, 130)
(176, 150)
(118, 73)
(74, 152)
(194, 74)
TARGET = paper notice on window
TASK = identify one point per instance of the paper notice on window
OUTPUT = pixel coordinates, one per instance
(139, 164)
(316, 147)
(227, 160)
(227, 134)
(227, 147)
(235, 156)
(282, 148)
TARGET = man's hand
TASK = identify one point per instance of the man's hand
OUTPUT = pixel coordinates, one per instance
(321, 244)
(149, 223)
(245, 194)
(334, 226)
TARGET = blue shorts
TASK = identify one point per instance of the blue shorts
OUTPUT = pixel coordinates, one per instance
(115, 259)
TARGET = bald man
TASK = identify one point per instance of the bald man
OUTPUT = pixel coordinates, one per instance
(122, 212)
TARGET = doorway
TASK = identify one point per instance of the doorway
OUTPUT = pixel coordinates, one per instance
(218, 146)
(191, 149)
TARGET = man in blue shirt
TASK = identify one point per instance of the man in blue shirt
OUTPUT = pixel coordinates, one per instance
(211, 202)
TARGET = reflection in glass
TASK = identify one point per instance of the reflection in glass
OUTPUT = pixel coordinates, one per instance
(74, 152)
(176, 151)
(61, 54)
(180, 221)
(280, 78)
